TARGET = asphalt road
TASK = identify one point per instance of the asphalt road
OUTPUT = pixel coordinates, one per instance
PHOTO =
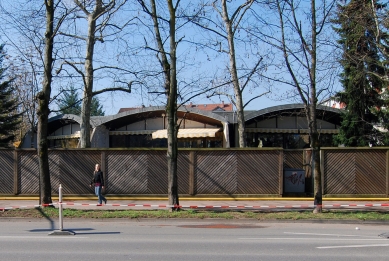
(172, 240)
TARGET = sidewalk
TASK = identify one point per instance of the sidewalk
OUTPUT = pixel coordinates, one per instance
(376, 204)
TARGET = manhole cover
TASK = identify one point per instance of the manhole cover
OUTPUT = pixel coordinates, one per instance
(222, 226)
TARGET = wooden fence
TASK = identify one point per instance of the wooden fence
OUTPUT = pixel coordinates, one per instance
(232, 172)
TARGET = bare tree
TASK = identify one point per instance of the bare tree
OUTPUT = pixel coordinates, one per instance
(299, 45)
(26, 84)
(227, 32)
(43, 98)
(165, 21)
(98, 15)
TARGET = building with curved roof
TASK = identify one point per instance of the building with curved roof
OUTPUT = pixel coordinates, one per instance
(279, 126)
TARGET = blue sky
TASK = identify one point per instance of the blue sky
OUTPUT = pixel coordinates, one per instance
(197, 66)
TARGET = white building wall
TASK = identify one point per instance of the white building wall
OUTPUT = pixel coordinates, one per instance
(154, 124)
(193, 124)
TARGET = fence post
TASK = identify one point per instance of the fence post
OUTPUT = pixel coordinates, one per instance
(60, 208)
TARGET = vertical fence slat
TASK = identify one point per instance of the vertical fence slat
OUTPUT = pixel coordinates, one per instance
(192, 159)
(104, 170)
(16, 173)
(281, 172)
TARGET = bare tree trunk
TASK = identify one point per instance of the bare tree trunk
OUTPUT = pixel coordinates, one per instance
(170, 75)
(234, 76)
(43, 107)
(88, 82)
(171, 111)
(315, 143)
(309, 95)
(85, 131)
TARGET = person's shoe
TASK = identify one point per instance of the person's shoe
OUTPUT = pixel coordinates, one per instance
(105, 201)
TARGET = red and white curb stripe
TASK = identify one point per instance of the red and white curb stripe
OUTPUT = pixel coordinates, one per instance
(203, 207)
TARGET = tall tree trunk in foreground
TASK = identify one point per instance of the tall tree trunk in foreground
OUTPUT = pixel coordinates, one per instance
(43, 107)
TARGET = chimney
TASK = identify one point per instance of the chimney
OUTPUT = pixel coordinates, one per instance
(223, 104)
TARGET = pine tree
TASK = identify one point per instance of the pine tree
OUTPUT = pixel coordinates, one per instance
(96, 108)
(360, 78)
(70, 103)
(9, 117)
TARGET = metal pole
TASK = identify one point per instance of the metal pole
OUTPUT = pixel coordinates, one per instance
(60, 208)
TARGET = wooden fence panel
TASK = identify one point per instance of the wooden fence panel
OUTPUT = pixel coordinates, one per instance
(127, 172)
(258, 172)
(28, 165)
(75, 170)
(216, 172)
(353, 171)
(7, 172)
(293, 159)
(371, 172)
(55, 167)
(157, 171)
(340, 172)
(183, 172)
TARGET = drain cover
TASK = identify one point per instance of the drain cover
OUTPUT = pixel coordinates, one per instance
(222, 226)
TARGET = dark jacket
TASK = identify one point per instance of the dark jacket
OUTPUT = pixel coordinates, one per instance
(98, 178)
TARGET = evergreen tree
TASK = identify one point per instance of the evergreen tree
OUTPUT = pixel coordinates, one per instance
(70, 103)
(9, 117)
(360, 78)
(96, 108)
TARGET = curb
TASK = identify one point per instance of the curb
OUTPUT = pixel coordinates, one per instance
(195, 198)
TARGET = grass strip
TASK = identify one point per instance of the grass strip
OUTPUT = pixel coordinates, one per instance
(198, 214)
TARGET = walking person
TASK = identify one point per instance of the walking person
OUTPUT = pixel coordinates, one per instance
(98, 182)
